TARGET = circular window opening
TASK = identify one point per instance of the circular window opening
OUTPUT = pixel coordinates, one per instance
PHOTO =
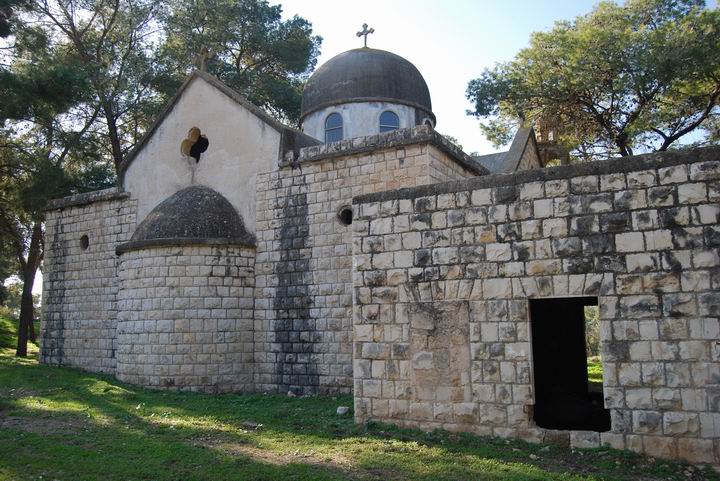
(84, 242)
(345, 215)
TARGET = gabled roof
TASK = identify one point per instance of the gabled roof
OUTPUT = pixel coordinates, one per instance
(492, 162)
(291, 139)
(508, 161)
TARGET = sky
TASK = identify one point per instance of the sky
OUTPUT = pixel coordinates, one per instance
(451, 42)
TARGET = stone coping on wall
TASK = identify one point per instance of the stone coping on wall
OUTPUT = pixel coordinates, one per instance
(622, 164)
(245, 241)
(396, 138)
(113, 193)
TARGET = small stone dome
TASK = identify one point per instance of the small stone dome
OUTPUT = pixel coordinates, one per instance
(195, 212)
(366, 75)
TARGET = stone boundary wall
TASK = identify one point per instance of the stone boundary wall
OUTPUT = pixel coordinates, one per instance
(443, 275)
(186, 317)
(304, 286)
(80, 284)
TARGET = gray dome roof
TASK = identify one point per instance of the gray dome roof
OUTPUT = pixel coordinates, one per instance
(195, 212)
(365, 75)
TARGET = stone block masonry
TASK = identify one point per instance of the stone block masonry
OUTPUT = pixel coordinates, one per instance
(303, 319)
(80, 284)
(186, 316)
(444, 274)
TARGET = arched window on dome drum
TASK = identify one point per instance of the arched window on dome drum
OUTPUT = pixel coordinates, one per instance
(333, 128)
(389, 121)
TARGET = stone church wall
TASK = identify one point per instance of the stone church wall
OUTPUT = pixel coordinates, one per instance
(80, 282)
(444, 274)
(186, 317)
(304, 286)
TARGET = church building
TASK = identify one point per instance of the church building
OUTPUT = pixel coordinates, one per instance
(367, 254)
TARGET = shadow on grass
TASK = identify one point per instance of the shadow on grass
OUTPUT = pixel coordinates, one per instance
(134, 433)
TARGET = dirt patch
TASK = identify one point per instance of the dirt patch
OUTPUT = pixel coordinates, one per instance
(42, 425)
(17, 393)
(336, 464)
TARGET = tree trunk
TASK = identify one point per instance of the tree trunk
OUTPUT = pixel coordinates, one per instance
(26, 315)
(113, 134)
(26, 330)
(622, 144)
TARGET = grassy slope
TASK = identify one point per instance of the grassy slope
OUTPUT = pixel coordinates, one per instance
(64, 424)
(594, 369)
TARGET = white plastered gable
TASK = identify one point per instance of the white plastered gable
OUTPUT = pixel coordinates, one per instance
(242, 143)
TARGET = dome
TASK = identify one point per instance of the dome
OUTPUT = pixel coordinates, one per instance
(366, 75)
(195, 212)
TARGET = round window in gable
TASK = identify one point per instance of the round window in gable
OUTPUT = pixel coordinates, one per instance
(84, 242)
(345, 215)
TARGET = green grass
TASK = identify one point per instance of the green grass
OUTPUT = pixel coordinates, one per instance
(67, 425)
(595, 370)
(8, 330)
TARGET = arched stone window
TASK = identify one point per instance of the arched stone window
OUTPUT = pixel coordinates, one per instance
(333, 128)
(389, 121)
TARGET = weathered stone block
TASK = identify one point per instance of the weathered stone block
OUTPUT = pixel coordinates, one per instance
(584, 185)
(498, 252)
(639, 306)
(645, 178)
(615, 181)
(497, 288)
(630, 242)
(692, 193)
(445, 255)
(584, 439)
(647, 422)
(422, 360)
(630, 200)
(680, 424)
(705, 170)
(673, 175)
(660, 446)
(375, 350)
(696, 450)
(661, 196)
(481, 197)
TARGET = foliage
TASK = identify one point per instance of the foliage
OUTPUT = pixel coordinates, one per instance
(69, 424)
(253, 50)
(8, 336)
(8, 267)
(111, 41)
(14, 287)
(623, 78)
(595, 370)
(592, 330)
(82, 80)
(45, 134)
(125, 58)
(7, 12)
(454, 141)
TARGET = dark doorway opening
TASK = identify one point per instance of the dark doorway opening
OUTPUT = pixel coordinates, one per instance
(564, 399)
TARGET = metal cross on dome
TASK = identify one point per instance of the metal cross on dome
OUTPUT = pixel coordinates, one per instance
(365, 32)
